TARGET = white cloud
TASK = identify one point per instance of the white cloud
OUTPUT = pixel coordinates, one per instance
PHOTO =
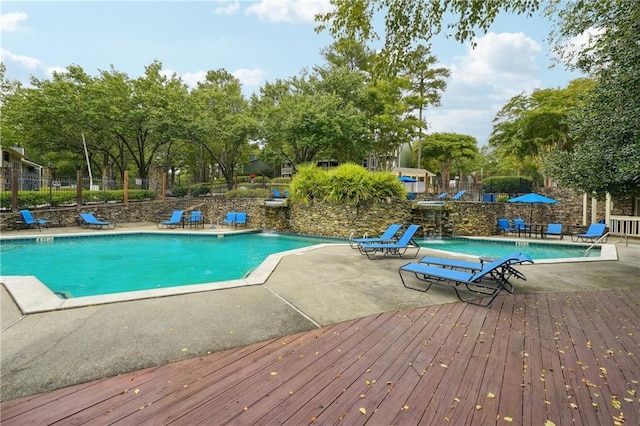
(192, 79)
(12, 22)
(290, 11)
(227, 7)
(250, 76)
(482, 82)
(575, 46)
(21, 60)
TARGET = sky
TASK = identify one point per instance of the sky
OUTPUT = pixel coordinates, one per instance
(261, 41)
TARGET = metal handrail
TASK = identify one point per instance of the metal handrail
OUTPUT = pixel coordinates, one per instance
(602, 237)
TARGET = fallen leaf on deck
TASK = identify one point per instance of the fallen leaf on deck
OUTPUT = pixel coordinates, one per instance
(507, 419)
(478, 407)
(549, 423)
(491, 395)
(573, 405)
(274, 373)
(136, 391)
(363, 410)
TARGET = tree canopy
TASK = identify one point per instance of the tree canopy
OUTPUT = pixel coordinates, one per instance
(607, 159)
(606, 128)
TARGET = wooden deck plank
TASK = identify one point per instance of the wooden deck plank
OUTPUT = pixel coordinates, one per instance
(316, 398)
(510, 401)
(432, 365)
(469, 391)
(348, 364)
(390, 366)
(407, 376)
(224, 389)
(537, 354)
(578, 361)
(366, 375)
(492, 384)
(171, 378)
(449, 398)
(534, 394)
(616, 381)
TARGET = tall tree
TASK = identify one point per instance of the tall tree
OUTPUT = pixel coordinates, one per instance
(306, 117)
(426, 85)
(609, 121)
(409, 21)
(448, 149)
(607, 159)
(222, 122)
(531, 127)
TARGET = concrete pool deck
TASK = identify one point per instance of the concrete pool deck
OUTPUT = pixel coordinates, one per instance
(305, 290)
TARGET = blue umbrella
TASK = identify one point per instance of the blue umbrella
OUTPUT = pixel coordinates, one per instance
(532, 199)
(407, 179)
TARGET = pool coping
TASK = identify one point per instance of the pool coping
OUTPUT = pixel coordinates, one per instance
(32, 296)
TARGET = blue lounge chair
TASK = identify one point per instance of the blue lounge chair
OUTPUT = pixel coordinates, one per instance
(388, 235)
(29, 221)
(595, 231)
(241, 219)
(276, 193)
(489, 281)
(395, 248)
(508, 271)
(88, 220)
(459, 195)
(521, 228)
(504, 226)
(554, 229)
(230, 219)
(174, 221)
(196, 219)
(442, 195)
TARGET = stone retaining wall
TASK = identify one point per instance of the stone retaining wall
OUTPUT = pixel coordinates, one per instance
(460, 218)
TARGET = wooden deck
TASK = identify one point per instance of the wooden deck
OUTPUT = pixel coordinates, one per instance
(535, 359)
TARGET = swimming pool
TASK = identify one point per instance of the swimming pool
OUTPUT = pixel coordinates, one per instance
(495, 248)
(115, 263)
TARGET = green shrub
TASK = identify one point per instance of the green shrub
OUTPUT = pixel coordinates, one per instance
(248, 193)
(507, 184)
(348, 183)
(281, 181)
(309, 183)
(179, 191)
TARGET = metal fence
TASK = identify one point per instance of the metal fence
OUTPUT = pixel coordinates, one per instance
(33, 191)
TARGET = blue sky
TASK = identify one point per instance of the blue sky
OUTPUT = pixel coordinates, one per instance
(260, 41)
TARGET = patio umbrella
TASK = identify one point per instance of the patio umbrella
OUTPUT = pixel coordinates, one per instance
(532, 199)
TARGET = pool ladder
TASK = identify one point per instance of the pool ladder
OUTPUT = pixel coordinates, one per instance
(599, 240)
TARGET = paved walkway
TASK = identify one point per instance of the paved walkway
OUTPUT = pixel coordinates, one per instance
(46, 351)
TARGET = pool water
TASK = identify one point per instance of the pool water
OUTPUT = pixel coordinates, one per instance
(86, 266)
(490, 248)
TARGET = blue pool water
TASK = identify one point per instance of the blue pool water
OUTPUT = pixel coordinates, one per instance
(84, 266)
(490, 248)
